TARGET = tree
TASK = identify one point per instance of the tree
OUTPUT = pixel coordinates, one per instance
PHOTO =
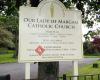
(88, 48)
(10, 25)
(96, 44)
(90, 8)
(6, 38)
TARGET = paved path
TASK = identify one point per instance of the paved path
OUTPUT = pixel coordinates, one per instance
(17, 71)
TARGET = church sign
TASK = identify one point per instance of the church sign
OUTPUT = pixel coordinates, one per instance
(49, 32)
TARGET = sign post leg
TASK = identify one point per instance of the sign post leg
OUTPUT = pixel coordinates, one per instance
(27, 71)
(75, 69)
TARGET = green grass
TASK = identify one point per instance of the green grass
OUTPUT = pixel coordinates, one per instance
(94, 55)
(87, 70)
(91, 56)
(7, 57)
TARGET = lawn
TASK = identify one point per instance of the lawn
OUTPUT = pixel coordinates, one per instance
(7, 57)
(87, 70)
(92, 56)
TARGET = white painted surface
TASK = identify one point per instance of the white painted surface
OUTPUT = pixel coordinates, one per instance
(58, 39)
(27, 71)
(75, 69)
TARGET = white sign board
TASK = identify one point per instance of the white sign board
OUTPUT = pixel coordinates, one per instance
(49, 32)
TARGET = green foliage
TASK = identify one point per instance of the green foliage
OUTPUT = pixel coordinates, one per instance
(68, 4)
(92, 48)
(8, 30)
(91, 34)
(6, 38)
(89, 8)
(10, 23)
(88, 48)
(10, 7)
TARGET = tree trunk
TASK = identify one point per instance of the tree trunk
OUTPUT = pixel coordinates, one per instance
(16, 46)
(48, 70)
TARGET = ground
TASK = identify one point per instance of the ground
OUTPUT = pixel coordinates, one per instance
(17, 70)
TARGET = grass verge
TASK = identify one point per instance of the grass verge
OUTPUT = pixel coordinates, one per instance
(91, 56)
(87, 71)
(7, 57)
